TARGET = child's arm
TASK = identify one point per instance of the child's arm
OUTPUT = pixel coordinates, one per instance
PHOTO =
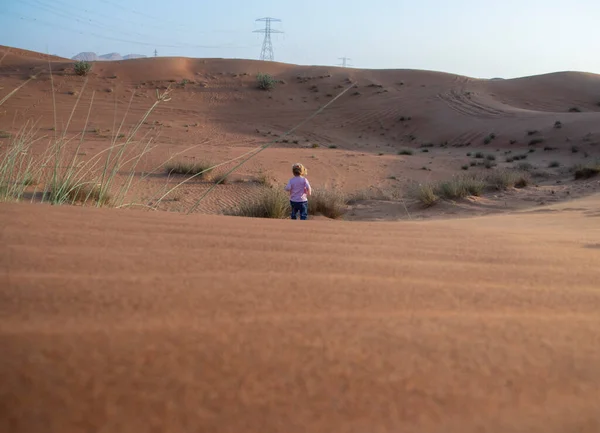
(307, 188)
(288, 187)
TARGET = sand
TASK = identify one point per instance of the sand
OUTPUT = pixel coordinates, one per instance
(132, 321)
(478, 315)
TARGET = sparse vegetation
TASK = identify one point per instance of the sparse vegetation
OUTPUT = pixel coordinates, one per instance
(189, 168)
(329, 203)
(532, 132)
(314, 145)
(491, 157)
(574, 149)
(489, 138)
(265, 81)
(587, 171)
(558, 124)
(469, 185)
(489, 164)
(268, 203)
(554, 164)
(479, 155)
(574, 110)
(405, 152)
(465, 167)
(332, 146)
(82, 68)
(535, 141)
(504, 179)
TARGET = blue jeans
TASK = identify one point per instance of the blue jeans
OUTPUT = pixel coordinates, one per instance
(299, 206)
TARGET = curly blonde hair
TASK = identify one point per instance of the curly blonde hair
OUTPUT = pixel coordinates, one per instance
(299, 170)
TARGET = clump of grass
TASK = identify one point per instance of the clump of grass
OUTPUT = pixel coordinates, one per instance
(425, 150)
(82, 68)
(265, 81)
(574, 149)
(263, 178)
(479, 155)
(574, 110)
(489, 138)
(549, 148)
(587, 171)
(491, 157)
(465, 167)
(268, 203)
(554, 164)
(314, 145)
(4, 134)
(189, 168)
(532, 132)
(332, 146)
(535, 141)
(460, 187)
(558, 124)
(504, 179)
(513, 141)
(525, 166)
(425, 194)
(66, 191)
(405, 152)
(489, 164)
(330, 203)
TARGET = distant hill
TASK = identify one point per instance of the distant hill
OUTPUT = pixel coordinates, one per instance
(93, 57)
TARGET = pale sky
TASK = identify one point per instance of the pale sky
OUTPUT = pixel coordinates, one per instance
(478, 38)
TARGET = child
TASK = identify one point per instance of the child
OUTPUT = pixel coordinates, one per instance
(299, 190)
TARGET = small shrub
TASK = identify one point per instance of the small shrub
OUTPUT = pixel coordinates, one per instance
(268, 203)
(329, 203)
(472, 163)
(314, 145)
(491, 157)
(405, 152)
(489, 164)
(574, 110)
(510, 159)
(531, 151)
(465, 167)
(424, 193)
(504, 179)
(587, 172)
(574, 149)
(513, 141)
(82, 68)
(460, 187)
(525, 166)
(190, 168)
(558, 124)
(554, 164)
(425, 150)
(535, 141)
(548, 148)
(479, 155)
(426, 145)
(532, 132)
(4, 134)
(265, 81)
(469, 154)
(332, 146)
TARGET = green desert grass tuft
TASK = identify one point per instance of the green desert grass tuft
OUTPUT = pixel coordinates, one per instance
(189, 168)
(468, 185)
(587, 171)
(330, 203)
(268, 203)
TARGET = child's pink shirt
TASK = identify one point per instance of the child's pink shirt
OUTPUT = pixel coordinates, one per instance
(298, 187)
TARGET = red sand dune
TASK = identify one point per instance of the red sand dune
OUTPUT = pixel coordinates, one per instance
(129, 321)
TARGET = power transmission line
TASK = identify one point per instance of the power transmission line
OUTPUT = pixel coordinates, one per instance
(155, 53)
(344, 60)
(266, 53)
